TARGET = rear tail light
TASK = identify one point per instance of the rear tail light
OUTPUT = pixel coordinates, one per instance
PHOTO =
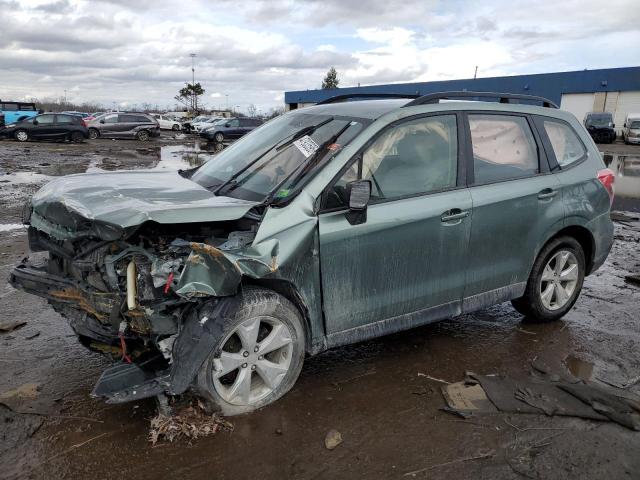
(607, 178)
(84, 124)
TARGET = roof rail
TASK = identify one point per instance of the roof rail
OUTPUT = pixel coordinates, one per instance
(503, 98)
(347, 96)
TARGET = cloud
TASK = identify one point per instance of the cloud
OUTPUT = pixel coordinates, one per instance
(134, 52)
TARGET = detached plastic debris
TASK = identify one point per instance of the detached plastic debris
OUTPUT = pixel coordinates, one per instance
(484, 394)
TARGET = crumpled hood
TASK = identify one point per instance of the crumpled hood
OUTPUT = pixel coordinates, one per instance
(126, 199)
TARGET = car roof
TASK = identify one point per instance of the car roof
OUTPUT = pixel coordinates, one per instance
(371, 109)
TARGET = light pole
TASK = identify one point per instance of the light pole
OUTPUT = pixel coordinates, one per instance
(227, 97)
(65, 97)
(194, 99)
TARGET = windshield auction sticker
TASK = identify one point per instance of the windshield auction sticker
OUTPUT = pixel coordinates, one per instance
(306, 146)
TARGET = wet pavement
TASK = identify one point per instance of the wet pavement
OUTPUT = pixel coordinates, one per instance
(379, 394)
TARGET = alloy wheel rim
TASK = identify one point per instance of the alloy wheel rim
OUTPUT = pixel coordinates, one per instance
(559, 280)
(254, 359)
(22, 136)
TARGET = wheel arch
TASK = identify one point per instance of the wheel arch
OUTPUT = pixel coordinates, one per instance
(291, 293)
(583, 236)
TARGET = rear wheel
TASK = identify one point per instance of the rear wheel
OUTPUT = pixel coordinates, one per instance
(142, 135)
(555, 281)
(258, 356)
(93, 133)
(21, 135)
(76, 137)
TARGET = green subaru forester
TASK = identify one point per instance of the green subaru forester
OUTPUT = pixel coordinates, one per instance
(326, 226)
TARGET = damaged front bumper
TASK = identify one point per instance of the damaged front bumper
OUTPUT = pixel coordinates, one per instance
(143, 306)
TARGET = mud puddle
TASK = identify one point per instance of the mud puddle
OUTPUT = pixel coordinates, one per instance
(627, 183)
(24, 169)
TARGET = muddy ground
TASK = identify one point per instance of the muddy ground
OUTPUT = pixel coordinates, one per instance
(374, 393)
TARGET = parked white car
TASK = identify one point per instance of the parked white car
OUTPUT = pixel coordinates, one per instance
(631, 130)
(199, 126)
(167, 123)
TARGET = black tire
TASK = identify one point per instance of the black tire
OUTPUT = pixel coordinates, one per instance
(255, 302)
(93, 133)
(219, 137)
(530, 304)
(76, 137)
(21, 135)
(143, 135)
(175, 128)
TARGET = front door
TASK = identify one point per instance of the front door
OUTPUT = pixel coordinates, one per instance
(516, 203)
(409, 254)
(45, 126)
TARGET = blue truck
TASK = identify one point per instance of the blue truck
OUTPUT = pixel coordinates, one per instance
(15, 111)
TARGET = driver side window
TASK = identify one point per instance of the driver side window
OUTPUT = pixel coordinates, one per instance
(415, 157)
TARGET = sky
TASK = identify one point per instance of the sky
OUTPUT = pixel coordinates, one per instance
(126, 53)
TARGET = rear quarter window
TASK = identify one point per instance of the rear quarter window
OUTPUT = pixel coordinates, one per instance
(566, 145)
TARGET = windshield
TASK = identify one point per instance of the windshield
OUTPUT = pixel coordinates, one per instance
(635, 125)
(600, 120)
(272, 161)
(200, 118)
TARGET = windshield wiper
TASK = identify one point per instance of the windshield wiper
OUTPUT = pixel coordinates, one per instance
(302, 132)
(231, 183)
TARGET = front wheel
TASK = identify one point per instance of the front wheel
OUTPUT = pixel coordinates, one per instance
(555, 281)
(258, 356)
(176, 128)
(93, 133)
(218, 137)
(21, 136)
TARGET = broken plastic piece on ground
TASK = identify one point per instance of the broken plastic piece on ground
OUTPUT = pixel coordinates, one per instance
(464, 399)
(543, 396)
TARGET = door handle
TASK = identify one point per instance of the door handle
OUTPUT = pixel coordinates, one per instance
(453, 214)
(547, 193)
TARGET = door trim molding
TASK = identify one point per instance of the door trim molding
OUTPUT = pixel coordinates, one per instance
(419, 318)
(493, 297)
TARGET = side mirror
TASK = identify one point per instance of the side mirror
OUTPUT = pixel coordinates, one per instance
(35, 122)
(359, 195)
(101, 121)
(227, 124)
(613, 125)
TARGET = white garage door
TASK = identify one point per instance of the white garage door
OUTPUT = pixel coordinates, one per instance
(577, 103)
(628, 102)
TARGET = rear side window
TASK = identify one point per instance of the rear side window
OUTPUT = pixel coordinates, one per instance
(567, 147)
(10, 107)
(503, 148)
(64, 119)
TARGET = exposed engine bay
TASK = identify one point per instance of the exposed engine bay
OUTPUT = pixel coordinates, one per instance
(129, 298)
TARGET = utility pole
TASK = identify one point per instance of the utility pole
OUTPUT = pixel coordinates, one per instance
(194, 98)
(475, 73)
(227, 97)
(65, 97)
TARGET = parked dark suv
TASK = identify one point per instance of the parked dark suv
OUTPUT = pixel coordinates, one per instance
(124, 125)
(230, 129)
(48, 126)
(600, 126)
(329, 225)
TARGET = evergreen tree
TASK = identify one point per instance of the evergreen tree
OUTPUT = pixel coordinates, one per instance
(331, 79)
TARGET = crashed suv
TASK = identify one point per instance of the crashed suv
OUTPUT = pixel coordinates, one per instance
(326, 226)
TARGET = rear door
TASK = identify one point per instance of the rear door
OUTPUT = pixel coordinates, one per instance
(63, 125)
(516, 203)
(234, 130)
(409, 254)
(109, 125)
